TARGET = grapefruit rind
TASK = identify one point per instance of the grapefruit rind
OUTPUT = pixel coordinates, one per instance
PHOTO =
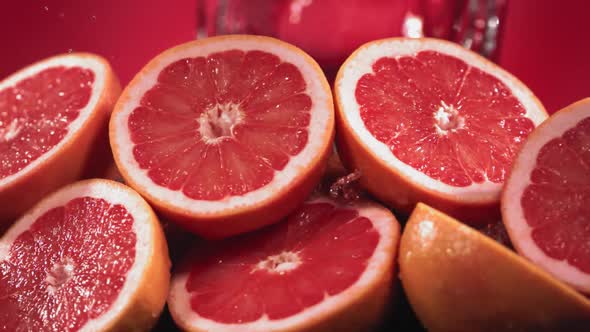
(519, 295)
(519, 178)
(349, 120)
(369, 293)
(146, 284)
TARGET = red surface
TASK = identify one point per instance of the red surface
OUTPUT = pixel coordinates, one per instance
(36, 112)
(544, 45)
(127, 33)
(220, 126)
(67, 268)
(557, 202)
(485, 128)
(228, 283)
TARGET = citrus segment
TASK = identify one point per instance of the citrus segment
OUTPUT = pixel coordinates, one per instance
(225, 126)
(437, 122)
(447, 268)
(79, 261)
(546, 204)
(52, 114)
(323, 260)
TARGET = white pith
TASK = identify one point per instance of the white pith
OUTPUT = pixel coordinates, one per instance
(114, 194)
(320, 121)
(71, 60)
(361, 64)
(513, 216)
(224, 117)
(383, 222)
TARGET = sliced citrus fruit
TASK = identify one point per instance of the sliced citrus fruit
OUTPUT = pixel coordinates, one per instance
(426, 120)
(327, 267)
(51, 115)
(225, 134)
(546, 201)
(458, 279)
(91, 257)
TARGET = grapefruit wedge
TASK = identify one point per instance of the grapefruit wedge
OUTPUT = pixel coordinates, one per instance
(52, 114)
(546, 201)
(426, 120)
(458, 279)
(89, 257)
(327, 267)
(226, 134)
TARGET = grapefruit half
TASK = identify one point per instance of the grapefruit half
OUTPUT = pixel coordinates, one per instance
(89, 257)
(546, 201)
(327, 267)
(426, 120)
(52, 114)
(226, 134)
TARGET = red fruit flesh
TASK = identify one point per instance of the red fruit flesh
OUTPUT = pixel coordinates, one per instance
(451, 121)
(319, 251)
(221, 125)
(556, 203)
(36, 112)
(67, 268)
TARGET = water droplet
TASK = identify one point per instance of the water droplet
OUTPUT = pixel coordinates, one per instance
(46, 8)
(18, 97)
(70, 50)
(61, 15)
(93, 17)
(61, 93)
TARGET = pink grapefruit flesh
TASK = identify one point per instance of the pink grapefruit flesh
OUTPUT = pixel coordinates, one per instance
(285, 274)
(447, 119)
(36, 113)
(55, 264)
(557, 202)
(221, 125)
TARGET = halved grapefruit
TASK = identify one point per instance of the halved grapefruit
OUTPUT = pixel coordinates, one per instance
(546, 201)
(327, 267)
(225, 134)
(89, 257)
(426, 120)
(458, 279)
(52, 114)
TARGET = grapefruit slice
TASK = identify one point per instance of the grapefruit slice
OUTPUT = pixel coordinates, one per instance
(426, 120)
(546, 202)
(327, 267)
(225, 134)
(52, 114)
(458, 279)
(89, 257)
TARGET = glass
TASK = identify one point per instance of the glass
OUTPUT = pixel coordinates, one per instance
(329, 30)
